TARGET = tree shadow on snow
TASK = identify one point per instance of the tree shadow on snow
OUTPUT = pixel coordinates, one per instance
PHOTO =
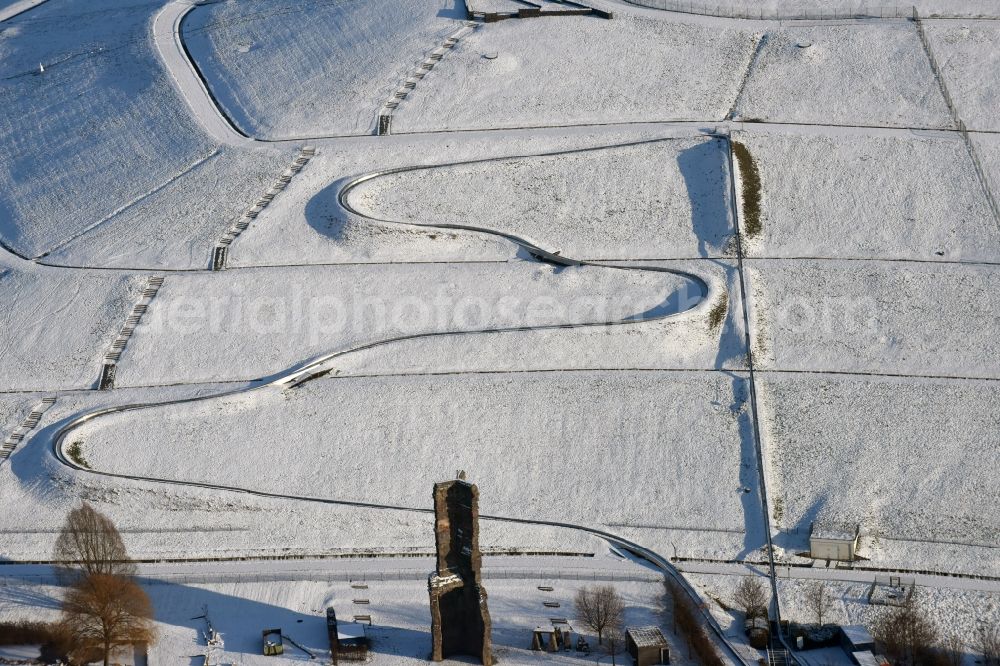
(241, 621)
(704, 168)
(754, 536)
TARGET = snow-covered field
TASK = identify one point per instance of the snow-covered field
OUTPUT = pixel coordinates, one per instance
(177, 226)
(539, 79)
(571, 447)
(43, 351)
(858, 74)
(930, 475)
(871, 195)
(204, 328)
(310, 68)
(871, 297)
(650, 200)
(688, 342)
(306, 224)
(969, 54)
(876, 317)
(101, 128)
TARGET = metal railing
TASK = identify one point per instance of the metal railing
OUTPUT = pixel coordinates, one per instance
(332, 576)
(760, 13)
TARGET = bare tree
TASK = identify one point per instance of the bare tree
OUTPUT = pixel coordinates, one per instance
(953, 650)
(819, 601)
(907, 636)
(101, 611)
(599, 608)
(988, 643)
(90, 544)
(614, 642)
(752, 597)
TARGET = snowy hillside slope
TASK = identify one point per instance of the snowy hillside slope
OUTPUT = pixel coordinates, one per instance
(869, 195)
(651, 200)
(856, 74)
(204, 328)
(969, 53)
(533, 442)
(310, 68)
(177, 226)
(906, 458)
(877, 317)
(693, 342)
(100, 128)
(876, 258)
(59, 325)
(306, 225)
(581, 70)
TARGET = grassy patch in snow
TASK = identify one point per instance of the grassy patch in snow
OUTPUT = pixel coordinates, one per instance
(718, 312)
(751, 190)
(75, 453)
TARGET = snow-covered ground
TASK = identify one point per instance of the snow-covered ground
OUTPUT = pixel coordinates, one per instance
(252, 323)
(876, 317)
(306, 225)
(689, 342)
(879, 195)
(101, 128)
(951, 611)
(43, 350)
(609, 203)
(540, 77)
(876, 259)
(400, 616)
(858, 74)
(177, 226)
(816, 9)
(175, 523)
(969, 55)
(929, 476)
(572, 447)
(310, 68)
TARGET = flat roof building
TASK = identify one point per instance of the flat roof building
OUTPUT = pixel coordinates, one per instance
(833, 541)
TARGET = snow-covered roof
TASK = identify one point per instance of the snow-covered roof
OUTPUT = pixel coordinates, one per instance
(857, 635)
(866, 658)
(833, 530)
(647, 637)
(347, 631)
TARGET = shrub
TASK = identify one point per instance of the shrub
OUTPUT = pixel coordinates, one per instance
(75, 453)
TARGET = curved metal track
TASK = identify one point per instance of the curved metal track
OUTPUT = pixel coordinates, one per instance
(319, 366)
(167, 36)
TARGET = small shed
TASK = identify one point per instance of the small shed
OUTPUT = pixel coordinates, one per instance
(647, 646)
(834, 541)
